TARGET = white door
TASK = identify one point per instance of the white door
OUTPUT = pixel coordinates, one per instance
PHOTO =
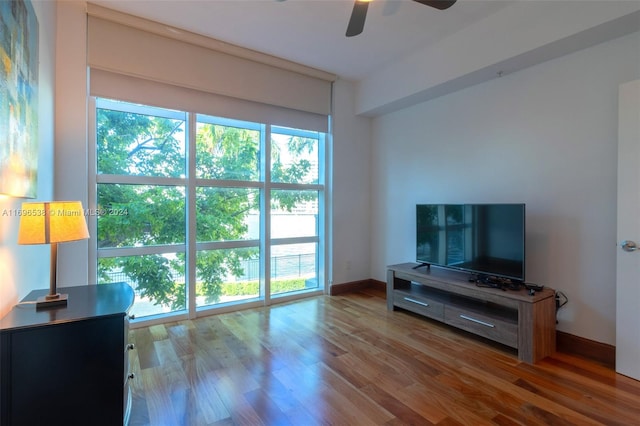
(628, 256)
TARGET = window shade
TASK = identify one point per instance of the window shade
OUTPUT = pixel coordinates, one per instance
(131, 89)
(131, 46)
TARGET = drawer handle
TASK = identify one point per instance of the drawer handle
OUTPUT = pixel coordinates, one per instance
(131, 376)
(131, 347)
(477, 321)
(408, 299)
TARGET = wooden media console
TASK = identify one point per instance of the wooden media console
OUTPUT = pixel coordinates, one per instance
(514, 318)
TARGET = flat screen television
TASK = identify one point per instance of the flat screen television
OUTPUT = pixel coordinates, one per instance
(487, 240)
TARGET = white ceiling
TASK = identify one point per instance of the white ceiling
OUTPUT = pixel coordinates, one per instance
(312, 32)
(408, 52)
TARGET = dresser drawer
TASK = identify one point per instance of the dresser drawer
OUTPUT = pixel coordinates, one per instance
(419, 304)
(501, 328)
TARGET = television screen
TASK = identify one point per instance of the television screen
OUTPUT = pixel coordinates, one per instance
(484, 239)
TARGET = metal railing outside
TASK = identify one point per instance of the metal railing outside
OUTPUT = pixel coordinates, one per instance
(282, 267)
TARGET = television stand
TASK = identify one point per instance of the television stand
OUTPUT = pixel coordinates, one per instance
(515, 318)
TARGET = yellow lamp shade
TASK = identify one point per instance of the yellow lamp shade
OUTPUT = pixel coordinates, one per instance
(52, 222)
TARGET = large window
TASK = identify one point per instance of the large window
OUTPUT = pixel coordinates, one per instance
(197, 212)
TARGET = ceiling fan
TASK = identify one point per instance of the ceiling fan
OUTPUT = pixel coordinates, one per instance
(359, 13)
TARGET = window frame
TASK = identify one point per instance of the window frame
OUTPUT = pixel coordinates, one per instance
(190, 182)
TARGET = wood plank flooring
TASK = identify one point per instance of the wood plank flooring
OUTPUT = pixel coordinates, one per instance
(346, 360)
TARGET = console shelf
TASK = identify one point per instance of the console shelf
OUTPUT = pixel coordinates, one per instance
(511, 317)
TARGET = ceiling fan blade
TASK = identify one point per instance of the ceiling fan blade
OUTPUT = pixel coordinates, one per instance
(438, 4)
(358, 16)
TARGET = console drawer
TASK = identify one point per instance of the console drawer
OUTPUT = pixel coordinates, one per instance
(419, 304)
(501, 328)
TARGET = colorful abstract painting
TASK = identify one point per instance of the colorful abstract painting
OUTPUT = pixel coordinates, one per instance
(18, 98)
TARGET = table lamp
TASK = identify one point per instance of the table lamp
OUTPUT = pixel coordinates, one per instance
(52, 223)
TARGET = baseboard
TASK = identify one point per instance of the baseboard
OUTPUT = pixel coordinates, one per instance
(357, 286)
(349, 287)
(379, 285)
(601, 353)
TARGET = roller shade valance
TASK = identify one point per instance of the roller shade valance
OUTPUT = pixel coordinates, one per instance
(110, 85)
(116, 46)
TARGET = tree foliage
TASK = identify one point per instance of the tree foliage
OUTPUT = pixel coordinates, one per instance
(143, 145)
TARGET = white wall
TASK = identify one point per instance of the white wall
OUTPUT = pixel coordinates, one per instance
(25, 268)
(71, 131)
(545, 136)
(351, 188)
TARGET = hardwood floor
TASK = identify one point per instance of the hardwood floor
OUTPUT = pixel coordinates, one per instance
(346, 360)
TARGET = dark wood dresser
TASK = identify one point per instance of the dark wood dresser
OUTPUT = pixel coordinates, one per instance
(67, 365)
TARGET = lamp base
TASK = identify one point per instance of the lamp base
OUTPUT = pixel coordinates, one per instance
(52, 300)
